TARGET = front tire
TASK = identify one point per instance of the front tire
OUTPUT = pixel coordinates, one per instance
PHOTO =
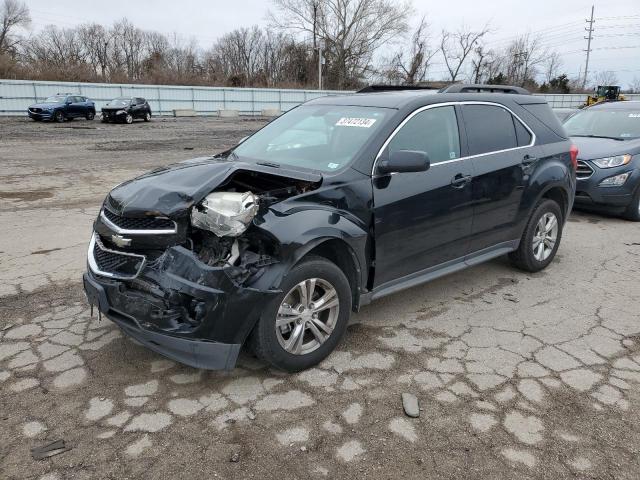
(128, 119)
(147, 117)
(302, 325)
(633, 210)
(58, 116)
(540, 239)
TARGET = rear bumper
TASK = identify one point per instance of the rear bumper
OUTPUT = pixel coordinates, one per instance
(197, 353)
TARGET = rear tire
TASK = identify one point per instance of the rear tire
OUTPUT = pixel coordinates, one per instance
(319, 327)
(540, 239)
(90, 115)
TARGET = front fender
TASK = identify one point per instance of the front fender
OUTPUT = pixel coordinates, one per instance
(300, 232)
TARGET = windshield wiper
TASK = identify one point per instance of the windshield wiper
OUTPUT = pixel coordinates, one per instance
(599, 136)
(269, 164)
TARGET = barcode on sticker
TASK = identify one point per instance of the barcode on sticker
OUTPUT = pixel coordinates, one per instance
(355, 122)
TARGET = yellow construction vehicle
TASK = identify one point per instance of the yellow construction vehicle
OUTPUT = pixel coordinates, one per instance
(605, 93)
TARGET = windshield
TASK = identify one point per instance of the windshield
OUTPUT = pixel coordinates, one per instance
(319, 137)
(55, 99)
(621, 124)
(120, 101)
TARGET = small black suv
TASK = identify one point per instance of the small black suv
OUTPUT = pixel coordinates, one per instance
(336, 203)
(126, 109)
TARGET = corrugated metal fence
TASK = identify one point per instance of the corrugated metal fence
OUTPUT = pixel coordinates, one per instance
(17, 95)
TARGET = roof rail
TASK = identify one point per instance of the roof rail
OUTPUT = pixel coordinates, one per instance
(393, 88)
(484, 88)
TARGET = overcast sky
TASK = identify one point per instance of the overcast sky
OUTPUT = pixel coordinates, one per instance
(560, 23)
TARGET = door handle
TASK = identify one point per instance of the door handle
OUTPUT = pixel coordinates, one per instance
(460, 181)
(529, 160)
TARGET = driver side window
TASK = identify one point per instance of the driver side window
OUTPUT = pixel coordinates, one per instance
(433, 131)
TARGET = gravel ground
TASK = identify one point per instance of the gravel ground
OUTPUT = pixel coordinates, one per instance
(517, 376)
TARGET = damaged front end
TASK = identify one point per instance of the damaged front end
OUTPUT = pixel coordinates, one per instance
(178, 258)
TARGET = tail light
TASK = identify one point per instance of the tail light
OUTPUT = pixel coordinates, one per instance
(573, 152)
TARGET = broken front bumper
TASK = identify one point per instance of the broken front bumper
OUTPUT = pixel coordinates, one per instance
(180, 307)
(195, 353)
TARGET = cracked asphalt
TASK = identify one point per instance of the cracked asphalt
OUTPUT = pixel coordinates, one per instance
(518, 375)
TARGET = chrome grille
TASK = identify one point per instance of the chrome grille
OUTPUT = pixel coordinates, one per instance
(113, 263)
(584, 170)
(138, 225)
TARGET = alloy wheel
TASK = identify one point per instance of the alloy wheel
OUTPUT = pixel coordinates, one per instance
(545, 236)
(307, 316)
(129, 118)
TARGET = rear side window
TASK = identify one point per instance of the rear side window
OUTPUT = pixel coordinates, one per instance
(489, 128)
(543, 112)
(522, 134)
(434, 131)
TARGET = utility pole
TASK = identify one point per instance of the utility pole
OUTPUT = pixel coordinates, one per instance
(588, 38)
(320, 65)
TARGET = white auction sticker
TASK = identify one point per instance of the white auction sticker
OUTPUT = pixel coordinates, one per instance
(355, 122)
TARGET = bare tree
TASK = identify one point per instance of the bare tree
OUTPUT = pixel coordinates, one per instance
(522, 57)
(351, 31)
(551, 65)
(13, 14)
(95, 40)
(457, 46)
(481, 62)
(409, 66)
(58, 53)
(128, 50)
(606, 77)
(634, 86)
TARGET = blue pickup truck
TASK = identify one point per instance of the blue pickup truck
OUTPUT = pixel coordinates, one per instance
(61, 107)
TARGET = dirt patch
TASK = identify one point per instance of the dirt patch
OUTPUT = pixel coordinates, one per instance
(27, 195)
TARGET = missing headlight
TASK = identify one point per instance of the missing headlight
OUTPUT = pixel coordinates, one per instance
(226, 214)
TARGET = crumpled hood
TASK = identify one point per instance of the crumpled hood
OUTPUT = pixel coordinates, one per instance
(171, 191)
(593, 148)
(109, 106)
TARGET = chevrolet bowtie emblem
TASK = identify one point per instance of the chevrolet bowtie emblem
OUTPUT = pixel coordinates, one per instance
(120, 241)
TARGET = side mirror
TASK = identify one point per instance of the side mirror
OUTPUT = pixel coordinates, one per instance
(403, 161)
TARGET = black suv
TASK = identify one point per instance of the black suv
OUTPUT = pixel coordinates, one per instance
(63, 106)
(336, 203)
(126, 109)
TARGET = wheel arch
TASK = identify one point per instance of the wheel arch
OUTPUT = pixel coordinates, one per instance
(559, 195)
(343, 256)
